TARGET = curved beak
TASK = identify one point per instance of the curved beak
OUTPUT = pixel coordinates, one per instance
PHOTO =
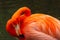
(17, 29)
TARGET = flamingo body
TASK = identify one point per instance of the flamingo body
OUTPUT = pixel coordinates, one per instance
(42, 23)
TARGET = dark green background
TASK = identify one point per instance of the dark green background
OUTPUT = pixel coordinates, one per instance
(7, 8)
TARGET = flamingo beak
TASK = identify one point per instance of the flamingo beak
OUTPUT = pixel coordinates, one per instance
(17, 29)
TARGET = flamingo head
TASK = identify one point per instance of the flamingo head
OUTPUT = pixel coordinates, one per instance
(13, 26)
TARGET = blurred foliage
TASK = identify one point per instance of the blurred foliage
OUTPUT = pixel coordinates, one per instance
(7, 8)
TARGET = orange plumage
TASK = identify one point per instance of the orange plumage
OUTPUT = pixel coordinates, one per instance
(37, 26)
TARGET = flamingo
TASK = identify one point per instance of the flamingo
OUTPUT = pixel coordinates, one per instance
(26, 26)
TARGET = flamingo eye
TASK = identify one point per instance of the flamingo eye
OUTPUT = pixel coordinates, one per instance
(22, 12)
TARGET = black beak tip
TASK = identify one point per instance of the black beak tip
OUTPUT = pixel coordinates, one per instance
(21, 36)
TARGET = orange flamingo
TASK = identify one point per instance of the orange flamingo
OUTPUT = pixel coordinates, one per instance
(37, 26)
